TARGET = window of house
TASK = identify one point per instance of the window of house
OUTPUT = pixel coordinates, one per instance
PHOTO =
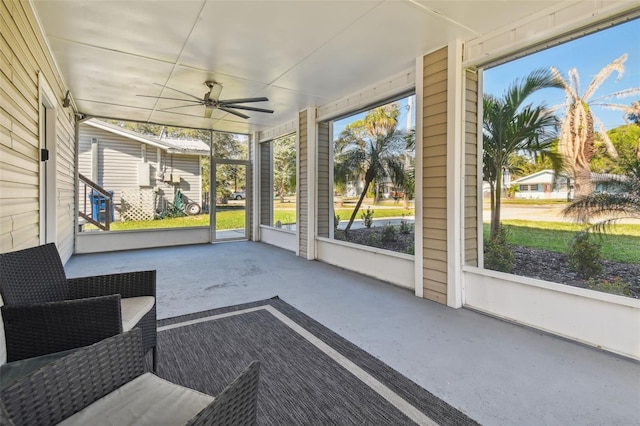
(539, 231)
(374, 176)
(278, 171)
(143, 176)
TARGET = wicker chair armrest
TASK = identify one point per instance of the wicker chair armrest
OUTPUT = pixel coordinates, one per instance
(237, 403)
(126, 284)
(66, 386)
(41, 329)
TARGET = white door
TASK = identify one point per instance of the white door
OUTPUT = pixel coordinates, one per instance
(48, 196)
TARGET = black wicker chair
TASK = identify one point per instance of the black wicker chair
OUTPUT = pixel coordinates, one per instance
(46, 313)
(82, 385)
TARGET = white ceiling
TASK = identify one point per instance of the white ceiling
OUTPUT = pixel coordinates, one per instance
(296, 53)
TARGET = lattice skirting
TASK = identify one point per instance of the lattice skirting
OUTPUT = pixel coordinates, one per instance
(137, 204)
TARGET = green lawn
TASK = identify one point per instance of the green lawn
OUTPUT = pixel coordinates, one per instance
(233, 218)
(345, 213)
(531, 202)
(226, 219)
(620, 244)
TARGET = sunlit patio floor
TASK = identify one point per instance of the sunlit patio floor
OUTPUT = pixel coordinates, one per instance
(496, 372)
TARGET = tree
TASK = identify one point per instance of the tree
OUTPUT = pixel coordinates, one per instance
(524, 165)
(284, 165)
(511, 128)
(625, 140)
(621, 199)
(633, 115)
(409, 178)
(577, 138)
(371, 149)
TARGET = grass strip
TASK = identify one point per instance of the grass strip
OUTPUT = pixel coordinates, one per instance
(620, 244)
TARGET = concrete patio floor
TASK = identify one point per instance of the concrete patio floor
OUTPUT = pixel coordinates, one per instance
(496, 372)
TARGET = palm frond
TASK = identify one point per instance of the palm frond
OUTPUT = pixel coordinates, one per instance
(574, 79)
(611, 149)
(562, 83)
(613, 107)
(615, 66)
(620, 200)
(621, 94)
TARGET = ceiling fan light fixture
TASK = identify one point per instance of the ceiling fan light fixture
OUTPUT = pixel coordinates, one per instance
(216, 89)
(211, 100)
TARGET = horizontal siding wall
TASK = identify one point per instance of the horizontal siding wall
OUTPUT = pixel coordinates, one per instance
(117, 167)
(249, 191)
(325, 198)
(434, 173)
(188, 168)
(266, 184)
(471, 170)
(23, 56)
(303, 186)
(117, 162)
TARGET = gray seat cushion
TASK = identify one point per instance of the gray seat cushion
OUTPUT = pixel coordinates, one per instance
(133, 309)
(146, 400)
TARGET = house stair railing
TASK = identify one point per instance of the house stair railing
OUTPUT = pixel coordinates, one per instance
(95, 204)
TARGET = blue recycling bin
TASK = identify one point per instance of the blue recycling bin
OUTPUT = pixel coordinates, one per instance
(99, 206)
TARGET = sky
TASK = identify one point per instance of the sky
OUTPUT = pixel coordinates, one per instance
(588, 54)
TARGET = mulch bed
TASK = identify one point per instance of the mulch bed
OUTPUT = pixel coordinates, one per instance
(528, 262)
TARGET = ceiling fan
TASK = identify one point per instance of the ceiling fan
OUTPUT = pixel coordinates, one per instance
(211, 100)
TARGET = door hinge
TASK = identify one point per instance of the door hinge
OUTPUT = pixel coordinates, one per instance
(44, 154)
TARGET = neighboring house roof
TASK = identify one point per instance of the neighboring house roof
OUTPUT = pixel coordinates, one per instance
(546, 176)
(543, 176)
(174, 146)
(600, 177)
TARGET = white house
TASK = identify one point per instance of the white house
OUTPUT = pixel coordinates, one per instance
(541, 185)
(143, 172)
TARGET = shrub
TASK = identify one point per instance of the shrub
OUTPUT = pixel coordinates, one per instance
(411, 249)
(367, 217)
(584, 256)
(373, 239)
(614, 286)
(336, 222)
(388, 234)
(405, 226)
(497, 252)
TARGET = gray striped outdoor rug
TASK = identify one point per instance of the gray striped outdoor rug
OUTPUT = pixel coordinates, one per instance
(309, 375)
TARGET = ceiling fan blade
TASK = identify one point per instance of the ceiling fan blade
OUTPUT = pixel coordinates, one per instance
(230, 111)
(248, 108)
(243, 100)
(208, 112)
(176, 107)
(179, 91)
(171, 99)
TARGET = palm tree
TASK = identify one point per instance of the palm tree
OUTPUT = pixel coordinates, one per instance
(621, 199)
(371, 149)
(633, 114)
(511, 128)
(577, 137)
(409, 180)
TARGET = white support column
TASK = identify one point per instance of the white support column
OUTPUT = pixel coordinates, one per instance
(312, 173)
(418, 243)
(455, 169)
(255, 195)
(298, 180)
